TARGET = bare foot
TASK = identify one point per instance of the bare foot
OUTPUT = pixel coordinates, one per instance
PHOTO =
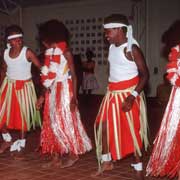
(38, 149)
(106, 166)
(4, 146)
(68, 162)
(18, 155)
(52, 164)
(47, 165)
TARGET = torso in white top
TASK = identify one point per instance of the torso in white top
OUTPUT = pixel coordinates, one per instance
(120, 67)
(18, 68)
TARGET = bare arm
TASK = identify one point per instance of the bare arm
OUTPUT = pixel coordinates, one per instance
(31, 56)
(142, 68)
(143, 75)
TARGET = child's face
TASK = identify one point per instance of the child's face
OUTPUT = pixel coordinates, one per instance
(16, 42)
(114, 35)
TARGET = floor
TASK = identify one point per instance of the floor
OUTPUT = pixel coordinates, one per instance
(31, 166)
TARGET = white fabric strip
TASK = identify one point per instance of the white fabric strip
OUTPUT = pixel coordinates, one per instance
(114, 25)
(134, 93)
(14, 36)
(6, 137)
(18, 145)
(137, 166)
(106, 157)
(128, 34)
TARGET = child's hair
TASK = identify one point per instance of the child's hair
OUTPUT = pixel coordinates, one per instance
(117, 18)
(53, 31)
(89, 53)
(13, 29)
(171, 37)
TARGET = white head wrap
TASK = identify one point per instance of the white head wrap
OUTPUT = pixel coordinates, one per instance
(14, 36)
(128, 34)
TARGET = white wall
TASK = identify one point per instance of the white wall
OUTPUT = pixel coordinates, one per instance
(87, 9)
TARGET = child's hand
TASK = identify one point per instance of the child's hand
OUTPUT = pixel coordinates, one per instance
(39, 102)
(73, 104)
(128, 103)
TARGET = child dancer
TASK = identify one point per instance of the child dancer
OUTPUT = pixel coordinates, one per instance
(17, 94)
(89, 79)
(165, 157)
(121, 124)
(62, 131)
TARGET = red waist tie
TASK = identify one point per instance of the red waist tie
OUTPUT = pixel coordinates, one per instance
(123, 84)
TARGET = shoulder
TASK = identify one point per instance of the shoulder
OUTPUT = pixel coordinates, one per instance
(29, 50)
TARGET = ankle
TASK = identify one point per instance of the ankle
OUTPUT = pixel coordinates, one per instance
(106, 158)
(137, 166)
(18, 145)
(6, 137)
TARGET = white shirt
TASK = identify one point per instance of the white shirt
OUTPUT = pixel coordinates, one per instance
(120, 67)
(18, 68)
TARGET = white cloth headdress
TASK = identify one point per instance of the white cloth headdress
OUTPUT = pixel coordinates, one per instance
(129, 33)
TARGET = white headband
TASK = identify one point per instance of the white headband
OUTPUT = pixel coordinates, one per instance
(114, 25)
(14, 36)
(128, 35)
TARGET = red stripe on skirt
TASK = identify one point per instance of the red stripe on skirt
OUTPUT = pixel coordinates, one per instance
(15, 120)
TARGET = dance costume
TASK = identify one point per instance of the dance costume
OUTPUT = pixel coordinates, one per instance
(17, 94)
(165, 157)
(62, 130)
(126, 131)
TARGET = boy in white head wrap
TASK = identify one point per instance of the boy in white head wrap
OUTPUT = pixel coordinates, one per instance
(121, 124)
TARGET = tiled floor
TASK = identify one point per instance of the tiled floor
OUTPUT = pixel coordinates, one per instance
(30, 167)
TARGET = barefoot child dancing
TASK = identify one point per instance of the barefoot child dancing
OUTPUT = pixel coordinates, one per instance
(121, 125)
(62, 133)
(17, 93)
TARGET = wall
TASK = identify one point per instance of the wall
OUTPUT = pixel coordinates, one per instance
(79, 10)
(152, 18)
(5, 20)
(159, 17)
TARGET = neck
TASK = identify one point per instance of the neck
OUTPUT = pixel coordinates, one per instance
(119, 43)
(16, 49)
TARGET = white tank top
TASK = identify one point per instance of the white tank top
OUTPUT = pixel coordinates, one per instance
(120, 67)
(18, 68)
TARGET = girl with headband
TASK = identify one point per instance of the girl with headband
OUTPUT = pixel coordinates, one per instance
(121, 123)
(17, 93)
(63, 134)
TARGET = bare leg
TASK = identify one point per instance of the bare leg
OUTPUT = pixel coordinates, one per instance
(106, 164)
(179, 175)
(55, 161)
(89, 91)
(138, 167)
(70, 160)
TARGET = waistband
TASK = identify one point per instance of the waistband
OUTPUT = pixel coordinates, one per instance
(123, 84)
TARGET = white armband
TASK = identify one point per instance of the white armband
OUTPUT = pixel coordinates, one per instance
(137, 166)
(134, 93)
(106, 157)
(6, 137)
